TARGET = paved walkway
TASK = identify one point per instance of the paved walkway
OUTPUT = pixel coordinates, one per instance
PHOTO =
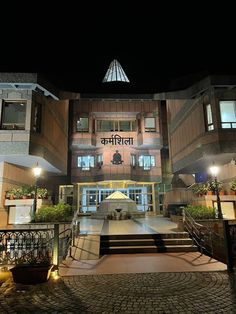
(192, 292)
(141, 263)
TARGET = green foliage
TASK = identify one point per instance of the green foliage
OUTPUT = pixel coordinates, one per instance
(200, 212)
(42, 192)
(232, 185)
(11, 193)
(212, 185)
(53, 213)
(26, 191)
(200, 188)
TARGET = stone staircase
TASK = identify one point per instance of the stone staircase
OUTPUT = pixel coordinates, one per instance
(146, 243)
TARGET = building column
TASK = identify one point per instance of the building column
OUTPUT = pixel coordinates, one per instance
(154, 198)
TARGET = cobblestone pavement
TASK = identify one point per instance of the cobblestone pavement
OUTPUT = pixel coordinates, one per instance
(190, 292)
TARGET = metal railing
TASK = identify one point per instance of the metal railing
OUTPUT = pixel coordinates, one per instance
(209, 237)
(37, 245)
(24, 245)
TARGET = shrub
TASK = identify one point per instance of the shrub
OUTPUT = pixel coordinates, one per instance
(52, 213)
(200, 212)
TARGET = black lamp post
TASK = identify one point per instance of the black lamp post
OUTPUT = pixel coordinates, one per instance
(37, 171)
(214, 171)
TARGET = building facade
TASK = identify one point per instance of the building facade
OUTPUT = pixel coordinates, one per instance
(202, 125)
(115, 145)
(92, 145)
(34, 128)
(202, 132)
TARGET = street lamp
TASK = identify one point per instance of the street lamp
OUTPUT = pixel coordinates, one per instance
(214, 171)
(37, 171)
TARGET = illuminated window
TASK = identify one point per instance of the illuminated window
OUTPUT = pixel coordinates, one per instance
(91, 197)
(228, 114)
(136, 195)
(82, 124)
(150, 124)
(146, 161)
(13, 115)
(209, 119)
(86, 162)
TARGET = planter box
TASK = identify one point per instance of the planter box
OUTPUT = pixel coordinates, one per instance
(31, 274)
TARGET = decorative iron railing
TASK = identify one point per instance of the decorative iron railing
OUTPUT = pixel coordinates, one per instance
(38, 244)
(208, 236)
(25, 245)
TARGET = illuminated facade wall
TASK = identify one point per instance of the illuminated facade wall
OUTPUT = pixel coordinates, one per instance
(115, 140)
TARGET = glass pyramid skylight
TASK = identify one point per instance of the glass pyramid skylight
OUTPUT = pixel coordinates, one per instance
(115, 73)
(117, 195)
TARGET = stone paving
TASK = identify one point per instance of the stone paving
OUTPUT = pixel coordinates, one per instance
(185, 292)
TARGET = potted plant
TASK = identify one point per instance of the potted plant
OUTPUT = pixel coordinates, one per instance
(26, 191)
(10, 194)
(42, 193)
(213, 185)
(200, 189)
(30, 270)
(232, 185)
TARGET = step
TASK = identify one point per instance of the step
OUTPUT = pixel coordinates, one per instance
(140, 242)
(145, 236)
(149, 249)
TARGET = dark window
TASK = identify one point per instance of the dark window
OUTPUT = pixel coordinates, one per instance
(37, 118)
(13, 115)
(209, 119)
(132, 160)
(82, 124)
(99, 160)
(150, 124)
(115, 126)
(105, 126)
(139, 125)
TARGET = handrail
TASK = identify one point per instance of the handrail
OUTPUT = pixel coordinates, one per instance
(193, 229)
(201, 234)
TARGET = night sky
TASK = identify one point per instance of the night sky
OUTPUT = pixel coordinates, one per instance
(73, 45)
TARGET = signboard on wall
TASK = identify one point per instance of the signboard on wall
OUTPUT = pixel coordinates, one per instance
(117, 140)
